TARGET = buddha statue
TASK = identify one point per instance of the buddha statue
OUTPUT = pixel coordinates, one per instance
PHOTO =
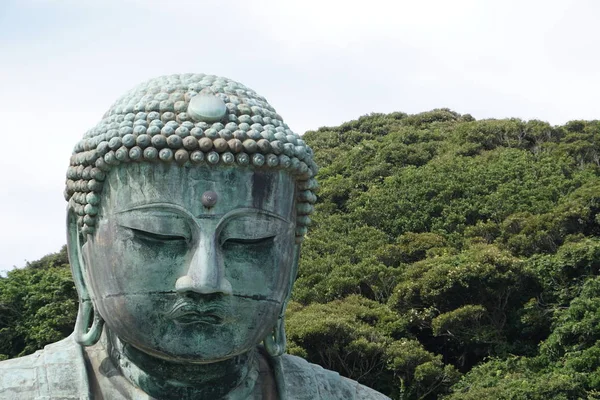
(187, 206)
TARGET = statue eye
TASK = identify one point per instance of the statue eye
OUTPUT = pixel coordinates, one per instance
(157, 237)
(155, 226)
(249, 241)
(250, 227)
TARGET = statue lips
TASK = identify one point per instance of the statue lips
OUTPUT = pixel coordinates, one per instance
(187, 312)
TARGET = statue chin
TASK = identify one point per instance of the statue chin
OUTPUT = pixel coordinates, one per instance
(209, 351)
(188, 203)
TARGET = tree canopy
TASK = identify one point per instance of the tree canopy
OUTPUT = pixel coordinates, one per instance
(448, 258)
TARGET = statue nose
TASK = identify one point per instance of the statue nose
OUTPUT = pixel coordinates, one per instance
(205, 273)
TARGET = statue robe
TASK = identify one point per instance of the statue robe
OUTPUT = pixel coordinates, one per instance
(64, 371)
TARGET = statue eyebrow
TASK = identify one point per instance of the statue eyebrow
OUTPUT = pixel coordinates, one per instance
(168, 207)
(222, 217)
(247, 210)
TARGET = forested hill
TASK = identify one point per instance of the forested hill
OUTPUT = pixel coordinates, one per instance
(448, 258)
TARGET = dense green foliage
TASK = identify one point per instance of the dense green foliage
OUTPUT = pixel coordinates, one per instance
(38, 305)
(444, 246)
(448, 258)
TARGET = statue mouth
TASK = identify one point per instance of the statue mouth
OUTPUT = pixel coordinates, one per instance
(185, 312)
(188, 318)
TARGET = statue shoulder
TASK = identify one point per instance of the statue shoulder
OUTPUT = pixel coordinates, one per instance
(57, 371)
(304, 381)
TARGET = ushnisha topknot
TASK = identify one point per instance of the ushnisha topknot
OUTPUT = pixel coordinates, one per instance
(189, 119)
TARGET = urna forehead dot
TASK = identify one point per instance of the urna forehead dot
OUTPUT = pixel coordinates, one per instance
(209, 198)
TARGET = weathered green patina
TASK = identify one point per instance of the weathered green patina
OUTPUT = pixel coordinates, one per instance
(187, 207)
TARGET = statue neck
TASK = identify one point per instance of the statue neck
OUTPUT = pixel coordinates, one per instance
(231, 379)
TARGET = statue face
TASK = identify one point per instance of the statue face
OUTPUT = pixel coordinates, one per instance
(192, 263)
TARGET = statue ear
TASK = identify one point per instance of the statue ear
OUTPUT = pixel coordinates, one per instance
(74, 249)
(296, 261)
(275, 343)
(85, 334)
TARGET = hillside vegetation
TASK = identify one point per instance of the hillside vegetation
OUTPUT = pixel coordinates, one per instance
(448, 258)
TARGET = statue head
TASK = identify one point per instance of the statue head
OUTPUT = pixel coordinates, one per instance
(187, 206)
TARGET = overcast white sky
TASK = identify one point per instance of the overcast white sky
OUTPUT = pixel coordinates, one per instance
(64, 62)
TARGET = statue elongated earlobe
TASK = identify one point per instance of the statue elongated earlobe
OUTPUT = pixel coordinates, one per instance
(89, 323)
(275, 343)
(87, 313)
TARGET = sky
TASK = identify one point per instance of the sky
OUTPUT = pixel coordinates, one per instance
(319, 63)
